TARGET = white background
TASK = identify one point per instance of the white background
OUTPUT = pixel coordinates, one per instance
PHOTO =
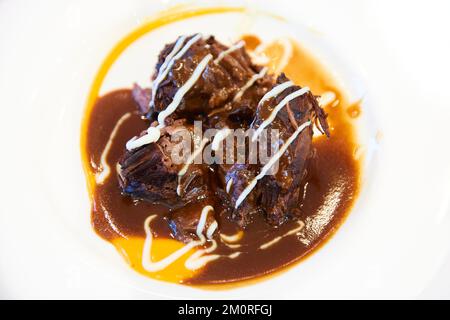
(49, 53)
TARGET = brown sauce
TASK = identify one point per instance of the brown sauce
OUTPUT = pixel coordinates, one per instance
(329, 195)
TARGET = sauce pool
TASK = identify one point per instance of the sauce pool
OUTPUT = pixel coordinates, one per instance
(331, 189)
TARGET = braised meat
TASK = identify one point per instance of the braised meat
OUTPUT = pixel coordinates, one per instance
(183, 223)
(213, 94)
(228, 94)
(278, 195)
(149, 172)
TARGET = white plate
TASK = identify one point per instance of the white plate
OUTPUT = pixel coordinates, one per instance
(395, 243)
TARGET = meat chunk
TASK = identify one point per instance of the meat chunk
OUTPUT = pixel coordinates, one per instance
(278, 195)
(241, 176)
(149, 172)
(184, 223)
(213, 95)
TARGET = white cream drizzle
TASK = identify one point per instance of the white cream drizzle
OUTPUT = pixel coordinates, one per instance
(179, 186)
(224, 53)
(219, 137)
(277, 239)
(285, 58)
(229, 184)
(119, 170)
(259, 58)
(287, 54)
(153, 133)
(277, 108)
(271, 162)
(174, 56)
(249, 83)
(232, 238)
(201, 257)
(147, 262)
(211, 229)
(326, 98)
(175, 50)
(196, 260)
(275, 91)
(202, 221)
(184, 89)
(105, 169)
(234, 255)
